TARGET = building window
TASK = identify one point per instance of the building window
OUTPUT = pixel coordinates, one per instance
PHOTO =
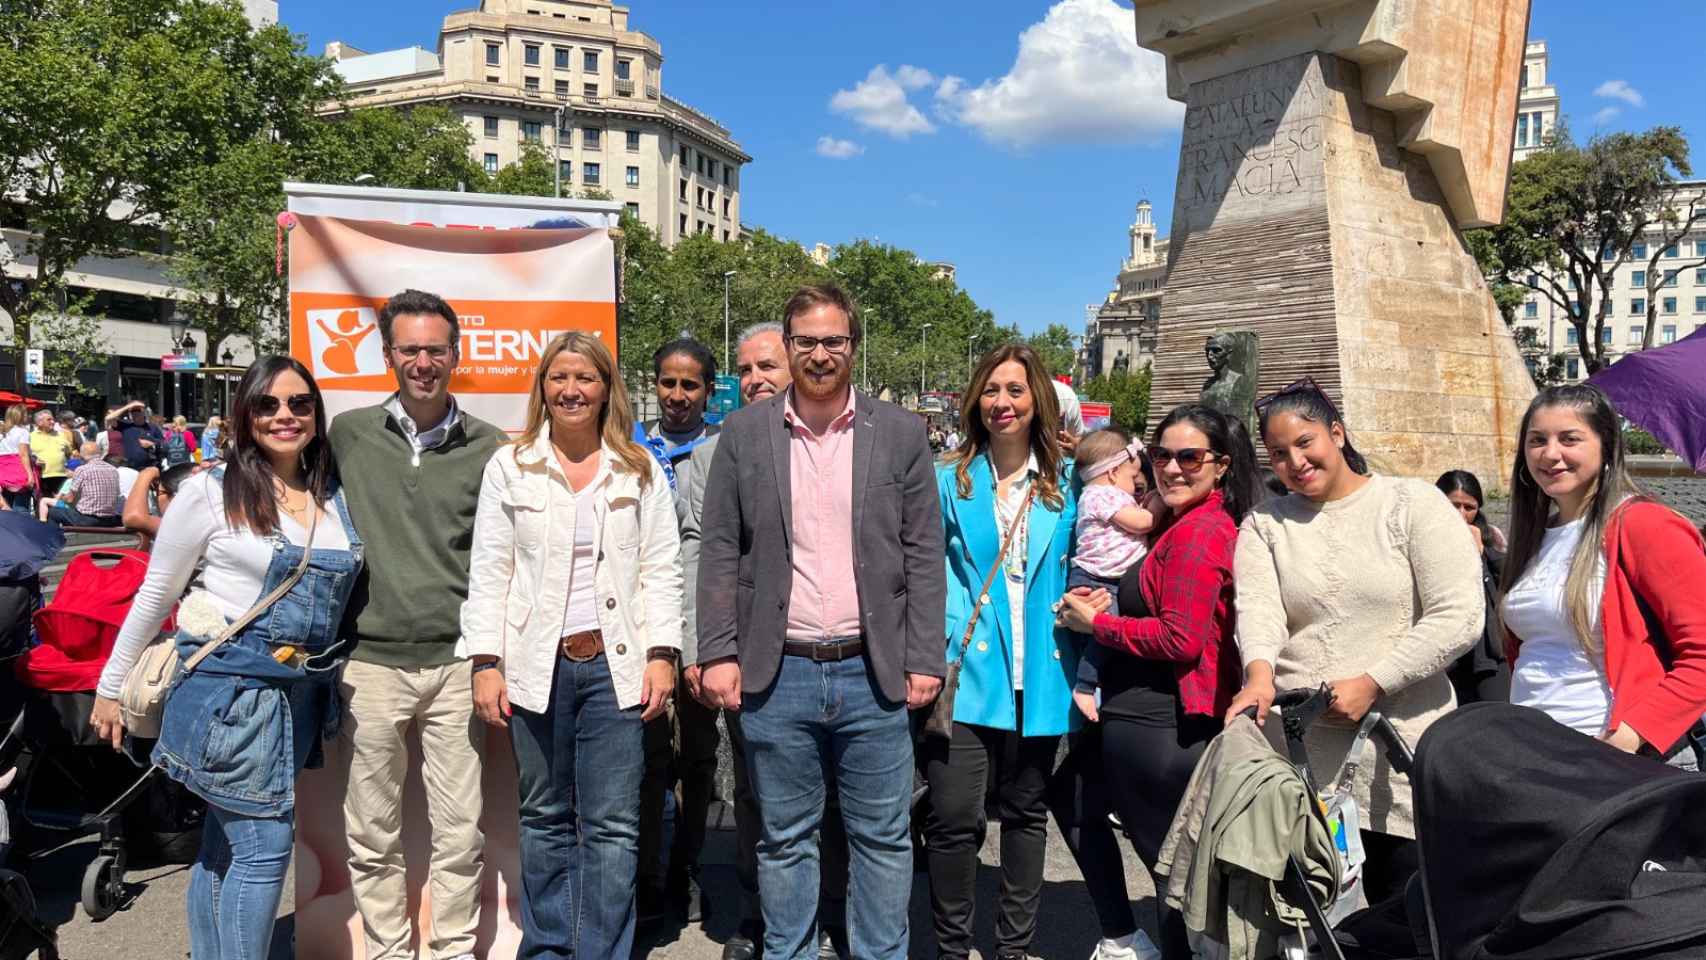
(562, 89)
(683, 231)
(633, 176)
(1525, 77)
(1572, 368)
(491, 163)
(1638, 306)
(566, 170)
(530, 55)
(530, 131)
(711, 168)
(493, 53)
(591, 138)
(589, 174)
(725, 234)
(1700, 247)
(1605, 335)
(491, 126)
(1572, 336)
(531, 83)
(1638, 251)
(684, 156)
(725, 207)
(633, 139)
(1522, 129)
(1638, 279)
(622, 69)
(560, 57)
(490, 78)
(1670, 278)
(589, 90)
(1667, 305)
(1672, 252)
(1667, 333)
(632, 209)
(684, 190)
(1700, 304)
(1636, 333)
(727, 176)
(1700, 275)
(589, 62)
(699, 198)
(1531, 309)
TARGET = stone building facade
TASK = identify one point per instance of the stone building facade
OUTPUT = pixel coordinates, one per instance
(1122, 330)
(574, 78)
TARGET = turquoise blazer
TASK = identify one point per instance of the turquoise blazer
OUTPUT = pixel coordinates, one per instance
(973, 537)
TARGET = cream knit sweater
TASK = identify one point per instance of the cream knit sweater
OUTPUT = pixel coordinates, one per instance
(1383, 582)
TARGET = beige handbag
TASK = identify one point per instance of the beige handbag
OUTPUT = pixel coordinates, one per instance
(142, 699)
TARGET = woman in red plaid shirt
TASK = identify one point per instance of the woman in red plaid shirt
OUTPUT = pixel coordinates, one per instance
(1172, 666)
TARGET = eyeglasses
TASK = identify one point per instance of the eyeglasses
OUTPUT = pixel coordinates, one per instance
(1191, 459)
(802, 344)
(1305, 385)
(300, 404)
(410, 353)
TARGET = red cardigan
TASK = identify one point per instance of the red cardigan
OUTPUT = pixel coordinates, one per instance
(1187, 584)
(1655, 563)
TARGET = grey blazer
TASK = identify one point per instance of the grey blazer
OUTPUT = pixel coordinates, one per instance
(689, 508)
(745, 563)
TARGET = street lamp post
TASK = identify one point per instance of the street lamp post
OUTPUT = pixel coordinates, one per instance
(923, 361)
(969, 342)
(865, 347)
(726, 275)
(557, 148)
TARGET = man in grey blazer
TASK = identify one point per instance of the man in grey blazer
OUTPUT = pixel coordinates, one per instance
(821, 609)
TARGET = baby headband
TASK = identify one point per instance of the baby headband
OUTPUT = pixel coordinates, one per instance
(1120, 458)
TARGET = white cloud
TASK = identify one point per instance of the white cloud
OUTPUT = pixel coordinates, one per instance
(879, 102)
(1079, 76)
(838, 149)
(1620, 90)
(921, 200)
(1606, 115)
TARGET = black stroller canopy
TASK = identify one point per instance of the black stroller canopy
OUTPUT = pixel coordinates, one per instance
(1542, 844)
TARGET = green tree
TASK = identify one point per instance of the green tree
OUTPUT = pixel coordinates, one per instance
(532, 175)
(1548, 369)
(1054, 345)
(1128, 396)
(1576, 212)
(107, 106)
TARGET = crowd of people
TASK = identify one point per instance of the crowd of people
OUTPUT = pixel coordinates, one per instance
(864, 614)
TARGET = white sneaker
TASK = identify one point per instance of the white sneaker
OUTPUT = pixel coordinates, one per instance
(1138, 946)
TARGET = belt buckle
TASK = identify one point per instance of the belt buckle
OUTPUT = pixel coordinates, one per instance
(822, 648)
(570, 652)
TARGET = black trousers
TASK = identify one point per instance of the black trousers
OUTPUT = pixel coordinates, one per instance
(1391, 862)
(680, 745)
(1078, 798)
(979, 763)
(1146, 766)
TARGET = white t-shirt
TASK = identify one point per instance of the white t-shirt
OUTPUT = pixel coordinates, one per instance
(1071, 414)
(580, 612)
(1013, 563)
(1552, 672)
(14, 440)
(126, 482)
(194, 528)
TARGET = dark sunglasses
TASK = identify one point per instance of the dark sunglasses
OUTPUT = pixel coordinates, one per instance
(1305, 385)
(1191, 459)
(300, 404)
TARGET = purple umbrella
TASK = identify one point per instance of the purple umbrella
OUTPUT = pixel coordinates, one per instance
(1664, 391)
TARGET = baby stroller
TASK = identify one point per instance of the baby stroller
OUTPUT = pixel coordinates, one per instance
(1539, 843)
(1261, 853)
(21, 933)
(70, 783)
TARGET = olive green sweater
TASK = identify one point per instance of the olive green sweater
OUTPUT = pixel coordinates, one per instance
(417, 524)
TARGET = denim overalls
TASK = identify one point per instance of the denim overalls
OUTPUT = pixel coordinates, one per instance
(240, 727)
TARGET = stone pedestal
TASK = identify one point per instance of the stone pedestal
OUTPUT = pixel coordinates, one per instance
(1300, 216)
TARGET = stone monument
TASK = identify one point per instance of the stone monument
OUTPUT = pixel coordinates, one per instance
(1332, 154)
(1234, 363)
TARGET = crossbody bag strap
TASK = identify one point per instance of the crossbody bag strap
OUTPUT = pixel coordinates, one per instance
(983, 595)
(260, 606)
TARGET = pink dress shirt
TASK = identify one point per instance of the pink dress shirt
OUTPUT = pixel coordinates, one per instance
(824, 602)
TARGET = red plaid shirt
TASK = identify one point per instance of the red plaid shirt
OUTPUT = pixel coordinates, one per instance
(1187, 582)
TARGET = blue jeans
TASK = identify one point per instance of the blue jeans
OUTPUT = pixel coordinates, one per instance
(821, 721)
(236, 884)
(579, 765)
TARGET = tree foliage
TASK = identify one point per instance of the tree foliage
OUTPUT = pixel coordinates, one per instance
(1055, 347)
(1128, 396)
(1576, 212)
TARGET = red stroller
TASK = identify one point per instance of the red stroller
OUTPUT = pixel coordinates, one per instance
(70, 782)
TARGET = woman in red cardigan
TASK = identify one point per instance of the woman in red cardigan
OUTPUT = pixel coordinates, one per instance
(1605, 623)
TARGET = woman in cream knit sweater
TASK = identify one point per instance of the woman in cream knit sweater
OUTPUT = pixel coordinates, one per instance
(1367, 584)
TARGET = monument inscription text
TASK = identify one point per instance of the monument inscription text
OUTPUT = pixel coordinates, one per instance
(1255, 142)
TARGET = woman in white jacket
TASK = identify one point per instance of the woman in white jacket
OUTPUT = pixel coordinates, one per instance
(574, 624)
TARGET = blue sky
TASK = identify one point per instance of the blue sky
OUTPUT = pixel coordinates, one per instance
(1012, 139)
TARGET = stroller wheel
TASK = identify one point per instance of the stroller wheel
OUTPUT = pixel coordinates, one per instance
(102, 884)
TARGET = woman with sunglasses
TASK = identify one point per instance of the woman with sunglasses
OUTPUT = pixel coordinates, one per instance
(1171, 668)
(239, 727)
(1366, 584)
(1008, 481)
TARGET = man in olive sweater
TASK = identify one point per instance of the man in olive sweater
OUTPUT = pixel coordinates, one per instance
(411, 471)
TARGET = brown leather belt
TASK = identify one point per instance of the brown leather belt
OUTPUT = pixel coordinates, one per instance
(583, 646)
(825, 652)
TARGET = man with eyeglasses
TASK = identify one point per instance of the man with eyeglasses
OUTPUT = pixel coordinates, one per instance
(820, 619)
(411, 470)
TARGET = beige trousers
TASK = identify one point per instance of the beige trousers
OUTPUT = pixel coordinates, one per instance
(380, 704)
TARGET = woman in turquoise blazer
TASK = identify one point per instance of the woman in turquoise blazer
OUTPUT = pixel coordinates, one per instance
(1015, 692)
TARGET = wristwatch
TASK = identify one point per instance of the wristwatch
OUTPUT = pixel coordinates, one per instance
(484, 665)
(663, 653)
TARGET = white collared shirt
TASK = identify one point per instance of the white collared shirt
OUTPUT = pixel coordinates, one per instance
(418, 439)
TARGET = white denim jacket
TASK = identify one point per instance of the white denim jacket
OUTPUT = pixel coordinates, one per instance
(523, 551)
